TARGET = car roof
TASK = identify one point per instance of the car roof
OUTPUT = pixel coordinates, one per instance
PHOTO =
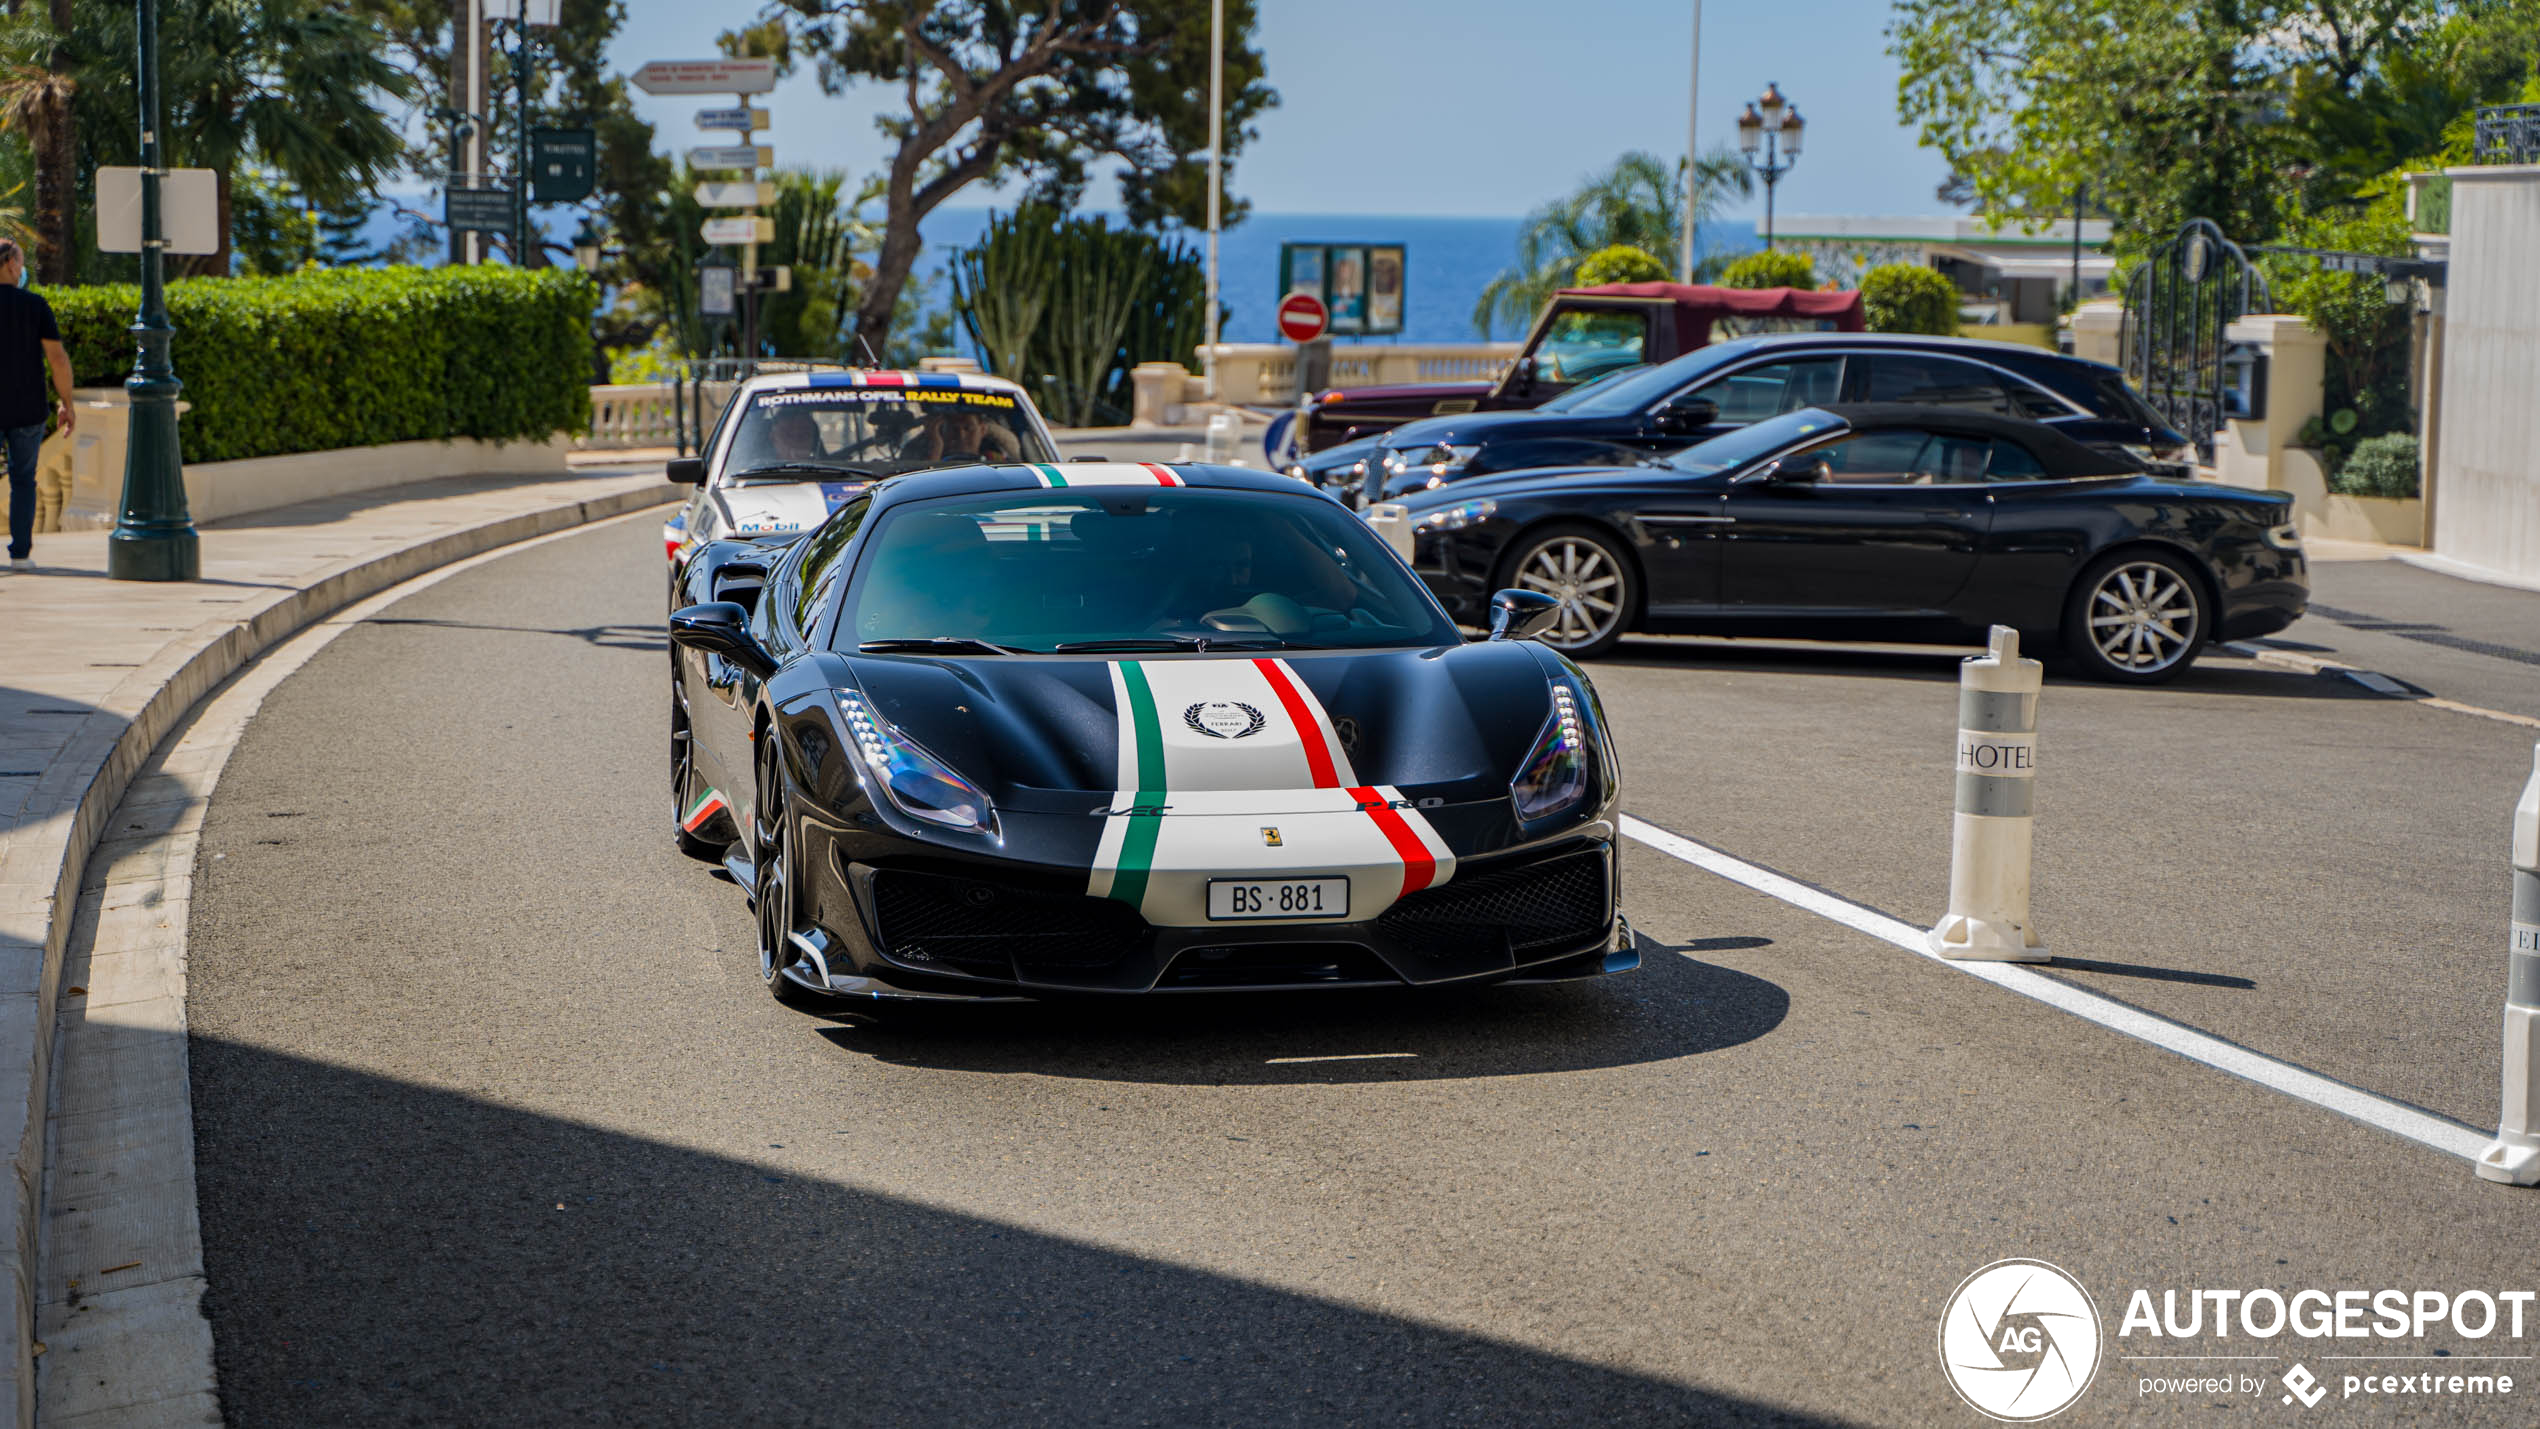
(1074, 475)
(2058, 453)
(878, 377)
(1989, 349)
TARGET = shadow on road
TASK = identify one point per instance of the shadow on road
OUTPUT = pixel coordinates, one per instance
(384, 1253)
(2212, 674)
(606, 637)
(1671, 1007)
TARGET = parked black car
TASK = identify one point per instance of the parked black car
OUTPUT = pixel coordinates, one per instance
(1719, 388)
(1891, 522)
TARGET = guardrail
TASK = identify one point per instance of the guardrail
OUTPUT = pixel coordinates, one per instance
(2506, 134)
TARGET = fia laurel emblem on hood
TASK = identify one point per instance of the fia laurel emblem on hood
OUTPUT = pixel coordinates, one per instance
(1223, 719)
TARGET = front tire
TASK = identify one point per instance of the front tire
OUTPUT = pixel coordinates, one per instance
(772, 887)
(2136, 618)
(1589, 573)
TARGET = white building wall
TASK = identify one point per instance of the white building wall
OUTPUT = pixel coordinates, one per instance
(2487, 481)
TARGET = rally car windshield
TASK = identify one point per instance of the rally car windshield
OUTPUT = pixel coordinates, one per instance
(1129, 570)
(877, 431)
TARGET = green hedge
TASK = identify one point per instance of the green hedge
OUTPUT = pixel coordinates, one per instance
(1908, 297)
(1774, 268)
(355, 357)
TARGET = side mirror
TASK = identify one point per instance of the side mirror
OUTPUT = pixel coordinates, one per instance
(687, 470)
(1521, 614)
(720, 627)
(1688, 414)
(1521, 377)
(1793, 471)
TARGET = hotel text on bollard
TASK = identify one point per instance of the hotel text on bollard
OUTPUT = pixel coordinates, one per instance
(2514, 1156)
(1989, 839)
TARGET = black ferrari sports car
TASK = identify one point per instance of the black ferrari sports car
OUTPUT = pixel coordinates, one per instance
(1878, 521)
(1120, 728)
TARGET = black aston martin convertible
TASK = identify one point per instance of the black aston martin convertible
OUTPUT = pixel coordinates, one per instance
(1876, 521)
(1120, 728)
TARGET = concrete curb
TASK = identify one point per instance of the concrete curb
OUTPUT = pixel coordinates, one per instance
(96, 765)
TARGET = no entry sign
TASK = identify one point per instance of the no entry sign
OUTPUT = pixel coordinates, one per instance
(1302, 317)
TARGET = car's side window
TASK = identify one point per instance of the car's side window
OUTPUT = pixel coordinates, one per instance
(1587, 343)
(1950, 460)
(823, 567)
(1871, 458)
(1769, 389)
(2013, 462)
(2035, 403)
(1935, 382)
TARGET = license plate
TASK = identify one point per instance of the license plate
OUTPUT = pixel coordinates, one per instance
(1278, 898)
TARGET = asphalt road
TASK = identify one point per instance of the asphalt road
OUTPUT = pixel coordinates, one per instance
(496, 1126)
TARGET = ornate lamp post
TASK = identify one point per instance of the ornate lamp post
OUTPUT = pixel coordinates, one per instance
(1772, 126)
(154, 535)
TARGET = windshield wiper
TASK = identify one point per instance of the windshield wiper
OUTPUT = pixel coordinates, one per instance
(937, 642)
(1167, 642)
(806, 468)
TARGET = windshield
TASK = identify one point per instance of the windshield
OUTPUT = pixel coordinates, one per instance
(1747, 443)
(1646, 387)
(1569, 401)
(1135, 569)
(877, 431)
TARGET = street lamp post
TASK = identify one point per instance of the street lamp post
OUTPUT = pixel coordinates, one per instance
(154, 534)
(1771, 125)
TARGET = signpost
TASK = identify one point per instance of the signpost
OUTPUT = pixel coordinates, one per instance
(1302, 317)
(731, 156)
(736, 193)
(738, 231)
(740, 118)
(189, 212)
(486, 210)
(560, 164)
(724, 76)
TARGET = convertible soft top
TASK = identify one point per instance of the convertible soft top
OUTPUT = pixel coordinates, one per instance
(2062, 457)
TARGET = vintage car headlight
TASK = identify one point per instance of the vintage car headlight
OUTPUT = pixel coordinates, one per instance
(1457, 516)
(1560, 771)
(916, 782)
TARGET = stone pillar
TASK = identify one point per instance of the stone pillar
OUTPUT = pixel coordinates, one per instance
(2097, 325)
(2254, 452)
(1156, 394)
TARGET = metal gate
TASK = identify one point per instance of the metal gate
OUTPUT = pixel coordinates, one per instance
(2178, 300)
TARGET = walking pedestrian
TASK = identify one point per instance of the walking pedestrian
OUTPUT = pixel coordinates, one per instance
(30, 351)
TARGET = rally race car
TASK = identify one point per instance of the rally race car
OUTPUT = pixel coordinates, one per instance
(789, 449)
(1121, 728)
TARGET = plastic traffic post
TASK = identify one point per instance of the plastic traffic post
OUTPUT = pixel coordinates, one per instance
(2514, 1156)
(1989, 839)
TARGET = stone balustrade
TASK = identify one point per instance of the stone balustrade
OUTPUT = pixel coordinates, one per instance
(1264, 373)
(631, 414)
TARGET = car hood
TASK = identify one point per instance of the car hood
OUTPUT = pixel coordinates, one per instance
(778, 508)
(1524, 481)
(1041, 733)
(1480, 427)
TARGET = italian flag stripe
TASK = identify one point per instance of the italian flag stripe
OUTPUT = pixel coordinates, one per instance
(1419, 866)
(708, 804)
(1137, 844)
(1050, 475)
(1318, 755)
(1163, 475)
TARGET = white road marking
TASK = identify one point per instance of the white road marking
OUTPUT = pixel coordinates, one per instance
(1342, 1057)
(2372, 680)
(2398, 1118)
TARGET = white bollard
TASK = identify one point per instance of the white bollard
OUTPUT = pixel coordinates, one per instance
(2514, 1156)
(1989, 839)
(1225, 434)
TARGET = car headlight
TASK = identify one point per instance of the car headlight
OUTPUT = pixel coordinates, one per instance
(916, 782)
(1457, 516)
(1560, 771)
(2287, 537)
(1442, 459)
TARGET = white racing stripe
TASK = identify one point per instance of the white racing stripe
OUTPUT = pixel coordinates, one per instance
(2398, 1118)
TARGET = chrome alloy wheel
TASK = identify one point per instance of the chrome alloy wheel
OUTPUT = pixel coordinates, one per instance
(772, 895)
(2143, 617)
(1581, 575)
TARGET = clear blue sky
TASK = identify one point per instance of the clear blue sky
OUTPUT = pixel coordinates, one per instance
(1437, 107)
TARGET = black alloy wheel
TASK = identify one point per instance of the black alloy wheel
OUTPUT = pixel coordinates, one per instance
(772, 885)
(1587, 572)
(2136, 618)
(684, 791)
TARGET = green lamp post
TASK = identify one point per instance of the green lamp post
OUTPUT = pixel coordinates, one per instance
(154, 536)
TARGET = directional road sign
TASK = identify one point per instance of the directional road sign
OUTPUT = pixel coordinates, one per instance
(741, 228)
(189, 217)
(740, 117)
(560, 164)
(725, 76)
(737, 193)
(731, 156)
(1302, 317)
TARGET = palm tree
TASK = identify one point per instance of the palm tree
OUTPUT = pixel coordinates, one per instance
(1639, 202)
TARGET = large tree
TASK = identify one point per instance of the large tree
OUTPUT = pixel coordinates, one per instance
(1637, 203)
(2164, 110)
(37, 79)
(1032, 90)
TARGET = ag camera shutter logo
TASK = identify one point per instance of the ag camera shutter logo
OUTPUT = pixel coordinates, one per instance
(2019, 1340)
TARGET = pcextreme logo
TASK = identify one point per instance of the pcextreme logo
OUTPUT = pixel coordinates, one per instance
(2019, 1340)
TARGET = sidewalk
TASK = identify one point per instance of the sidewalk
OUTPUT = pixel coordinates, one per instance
(93, 673)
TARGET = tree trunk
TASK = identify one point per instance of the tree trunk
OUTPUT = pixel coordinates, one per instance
(55, 140)
(901, 244)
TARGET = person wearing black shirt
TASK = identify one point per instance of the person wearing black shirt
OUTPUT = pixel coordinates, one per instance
(30, 351)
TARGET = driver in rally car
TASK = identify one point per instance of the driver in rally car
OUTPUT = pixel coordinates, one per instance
(793, 435)
(960, 434)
